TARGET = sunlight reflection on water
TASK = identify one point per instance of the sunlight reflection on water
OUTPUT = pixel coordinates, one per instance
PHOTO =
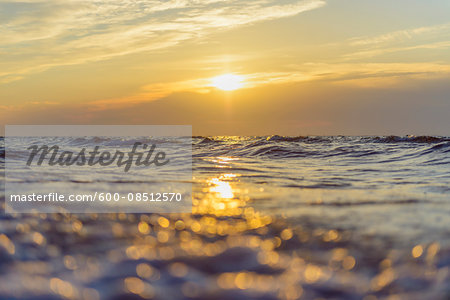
(249, 236)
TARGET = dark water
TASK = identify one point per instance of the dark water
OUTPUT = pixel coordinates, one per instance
(273, 218)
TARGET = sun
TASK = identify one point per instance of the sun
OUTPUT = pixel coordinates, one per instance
(228, 82)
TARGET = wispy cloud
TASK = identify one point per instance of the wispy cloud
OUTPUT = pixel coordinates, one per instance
(367, 53)
(382, 75)
(40, 35)
(430, 37)
(402, 35)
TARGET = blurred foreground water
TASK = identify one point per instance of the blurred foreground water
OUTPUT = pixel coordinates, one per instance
(273, 218)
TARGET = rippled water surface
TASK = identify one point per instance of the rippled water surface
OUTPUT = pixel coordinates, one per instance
(396, 186)
(273, 218)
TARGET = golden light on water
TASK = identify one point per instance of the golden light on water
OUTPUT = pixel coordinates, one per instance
(417, 251)
(228, 82)
(222, 188)
(7, 244)
(226, 223)
(220, 185)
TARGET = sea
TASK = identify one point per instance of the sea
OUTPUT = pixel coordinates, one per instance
(273, 217)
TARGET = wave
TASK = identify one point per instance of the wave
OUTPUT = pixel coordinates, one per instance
(409, 138)
(376, 139)
(366, 202)
(430, 149)
(278, 138)
(205, 140)
(280, 152)
(322, 185)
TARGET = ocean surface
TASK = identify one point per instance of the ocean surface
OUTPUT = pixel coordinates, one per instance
(273, 218)
(396, 187)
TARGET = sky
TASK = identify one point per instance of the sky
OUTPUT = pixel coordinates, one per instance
(311, 67)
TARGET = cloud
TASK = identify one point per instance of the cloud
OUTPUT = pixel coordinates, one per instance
(392, 49)
(402, 35)
(431, 37)
(37, 36)
(311, 107)
(383, 75)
